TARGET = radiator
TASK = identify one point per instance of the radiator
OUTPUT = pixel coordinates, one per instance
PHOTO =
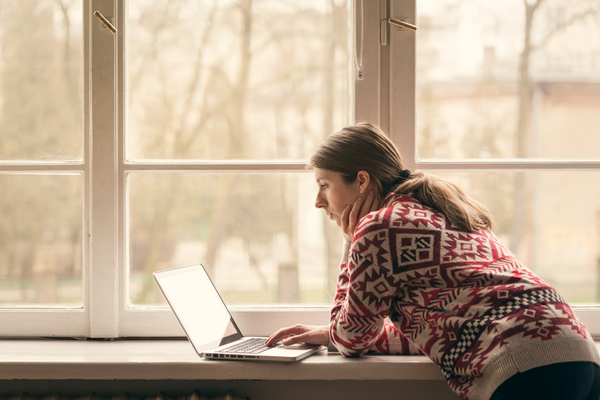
(161, 396)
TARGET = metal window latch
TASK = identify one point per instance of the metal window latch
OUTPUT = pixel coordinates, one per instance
(402, 24)
(105, 21)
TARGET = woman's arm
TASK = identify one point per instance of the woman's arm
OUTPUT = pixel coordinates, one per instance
(366, 291)
(386, 339)
(392, 341)
(356, 326)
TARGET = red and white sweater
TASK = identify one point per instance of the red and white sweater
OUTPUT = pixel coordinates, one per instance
(459, 297)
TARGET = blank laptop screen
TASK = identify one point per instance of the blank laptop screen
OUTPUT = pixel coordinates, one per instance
(197, 305)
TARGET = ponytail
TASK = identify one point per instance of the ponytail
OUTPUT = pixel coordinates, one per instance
(444, 196)
(365, 147)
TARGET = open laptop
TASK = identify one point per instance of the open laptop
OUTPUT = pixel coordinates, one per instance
(208, 323)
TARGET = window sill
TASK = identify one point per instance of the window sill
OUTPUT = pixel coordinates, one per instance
(57, 359)
(143, 368)
(176, 360)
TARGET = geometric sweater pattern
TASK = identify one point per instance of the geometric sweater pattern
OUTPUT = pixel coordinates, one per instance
(412, 283)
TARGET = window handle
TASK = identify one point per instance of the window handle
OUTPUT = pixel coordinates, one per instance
(402, 24)
(105, 22)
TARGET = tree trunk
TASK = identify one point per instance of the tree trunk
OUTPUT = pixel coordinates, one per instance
(522, 223)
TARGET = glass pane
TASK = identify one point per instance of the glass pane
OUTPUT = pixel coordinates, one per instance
(505, 79)
(549, 220)
(41, 80)
(236, 79)
(41, 245)
(259, 235)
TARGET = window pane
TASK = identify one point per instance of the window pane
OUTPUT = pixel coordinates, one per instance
(260, 235)
(508, 80)
(41, 80)
(41, 240)
(550, 220)
(226, 80)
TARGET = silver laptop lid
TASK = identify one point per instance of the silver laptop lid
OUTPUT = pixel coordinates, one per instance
(198, 306)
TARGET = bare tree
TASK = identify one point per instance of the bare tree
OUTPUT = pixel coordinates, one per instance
(40, 119)
(522, 220)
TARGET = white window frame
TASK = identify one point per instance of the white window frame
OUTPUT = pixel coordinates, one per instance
(368, 101)
(385, 96)
(104, 313)
(589, 314)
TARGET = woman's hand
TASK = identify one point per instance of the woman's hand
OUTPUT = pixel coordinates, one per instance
(308, 334)
(354, 213)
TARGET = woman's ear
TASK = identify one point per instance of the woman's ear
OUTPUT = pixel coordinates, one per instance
(363, 178)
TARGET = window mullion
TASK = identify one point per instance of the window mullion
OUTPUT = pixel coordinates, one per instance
(103, 301)
(524, 165)
(401, 81)
(367, 90)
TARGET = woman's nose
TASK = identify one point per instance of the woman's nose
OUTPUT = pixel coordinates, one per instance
(320, 202)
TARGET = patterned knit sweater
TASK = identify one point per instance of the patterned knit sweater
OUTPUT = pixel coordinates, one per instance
(459, 297)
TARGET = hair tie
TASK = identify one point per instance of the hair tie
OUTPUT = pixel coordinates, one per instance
(404, 175)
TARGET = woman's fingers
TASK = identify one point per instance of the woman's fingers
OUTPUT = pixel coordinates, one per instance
(284, 333)
(300, 334)
(352, 214)
(367, 206)
(281, 334)
(343, 223)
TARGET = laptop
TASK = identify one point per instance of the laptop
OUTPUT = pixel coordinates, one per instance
(208, 323)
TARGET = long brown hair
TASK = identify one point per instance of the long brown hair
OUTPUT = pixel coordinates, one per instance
(365, 147)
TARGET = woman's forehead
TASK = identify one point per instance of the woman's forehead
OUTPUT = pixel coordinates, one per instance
(327, 175)
(321, 174)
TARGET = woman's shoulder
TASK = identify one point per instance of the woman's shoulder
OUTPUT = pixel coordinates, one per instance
(402, 201)
(401, 211)
(406, 209)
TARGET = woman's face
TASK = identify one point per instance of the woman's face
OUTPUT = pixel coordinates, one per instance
(334, 195)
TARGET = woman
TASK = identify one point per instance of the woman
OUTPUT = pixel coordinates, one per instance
(421, 253)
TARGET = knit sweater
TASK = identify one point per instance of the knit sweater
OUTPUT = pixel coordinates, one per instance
(459, 297)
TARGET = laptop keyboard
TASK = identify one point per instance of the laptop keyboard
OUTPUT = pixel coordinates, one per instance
(250, 346)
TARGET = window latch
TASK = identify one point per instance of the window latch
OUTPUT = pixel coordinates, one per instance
(402, 24)
(107, 24)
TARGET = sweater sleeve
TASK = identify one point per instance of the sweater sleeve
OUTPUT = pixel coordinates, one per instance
(362, 302)
(392, 341)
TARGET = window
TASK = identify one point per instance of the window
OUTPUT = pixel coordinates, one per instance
(163, 145)
(224, 105)
(183, 138)
(43, 148)
(507, 99)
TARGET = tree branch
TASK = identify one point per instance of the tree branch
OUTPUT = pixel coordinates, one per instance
(574, 18)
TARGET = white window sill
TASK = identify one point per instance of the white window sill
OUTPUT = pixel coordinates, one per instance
(144, 368)
(51, 359)
(176, 360)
